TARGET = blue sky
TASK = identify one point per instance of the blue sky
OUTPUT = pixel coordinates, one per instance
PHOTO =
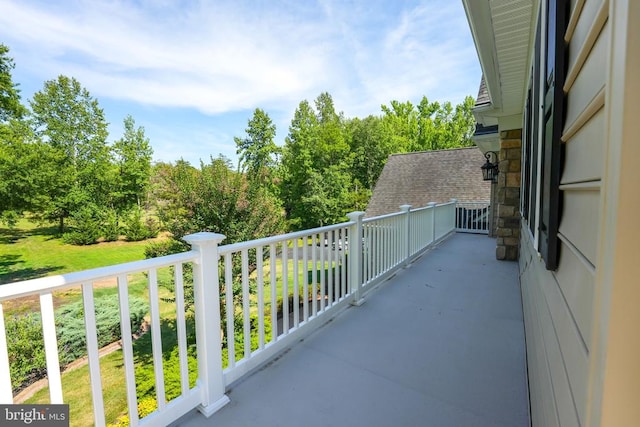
(192, 72)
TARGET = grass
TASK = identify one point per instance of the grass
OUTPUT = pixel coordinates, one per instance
(29, 251)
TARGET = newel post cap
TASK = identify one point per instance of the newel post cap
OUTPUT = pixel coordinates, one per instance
(355, 216)
(204, 238)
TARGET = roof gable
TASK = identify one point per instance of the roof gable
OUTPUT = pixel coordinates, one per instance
(430, 176)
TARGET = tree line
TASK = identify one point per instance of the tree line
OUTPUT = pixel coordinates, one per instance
(57, 164)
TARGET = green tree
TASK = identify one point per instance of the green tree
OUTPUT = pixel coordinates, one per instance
(298, 164)
(216, 198)
(401, 122)
(133, 155)
(21, 155)
(257, 150)
(370, 145)
(24, 170)
(330, 148)
(10, 104)
(70, 121)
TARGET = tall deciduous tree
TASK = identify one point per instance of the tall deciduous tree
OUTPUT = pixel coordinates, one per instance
(71, 122)
(401, 122)
(257, 150)
(10, 104)
(370, 145)
(133, 155)
(298, 164)
(21, 157)
(331, 148)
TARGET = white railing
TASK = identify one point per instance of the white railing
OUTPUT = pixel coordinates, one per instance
(251, 300)
(473, 217)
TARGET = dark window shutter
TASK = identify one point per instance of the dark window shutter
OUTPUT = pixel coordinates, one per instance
(550, 203)
(535, 122)
(526, 159)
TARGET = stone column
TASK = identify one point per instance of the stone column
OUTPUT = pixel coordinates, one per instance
(508, 216)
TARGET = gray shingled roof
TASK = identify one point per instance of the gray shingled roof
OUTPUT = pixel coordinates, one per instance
(429, 176)
(483, 94)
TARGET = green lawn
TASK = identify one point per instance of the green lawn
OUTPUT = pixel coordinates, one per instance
(29, 251)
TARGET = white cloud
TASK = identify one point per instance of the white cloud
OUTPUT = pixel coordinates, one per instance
(225, 56)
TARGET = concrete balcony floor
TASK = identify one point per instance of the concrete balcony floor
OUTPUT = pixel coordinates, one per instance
(439, 344)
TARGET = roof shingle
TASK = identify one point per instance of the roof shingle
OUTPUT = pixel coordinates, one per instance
(430, 176)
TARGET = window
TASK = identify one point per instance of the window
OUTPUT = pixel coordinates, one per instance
(530, 160)
(543, 213)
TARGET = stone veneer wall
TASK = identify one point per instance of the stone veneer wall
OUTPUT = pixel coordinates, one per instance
(508, 189)
(493, 210)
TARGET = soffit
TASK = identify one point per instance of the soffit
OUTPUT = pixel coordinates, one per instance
(502, 32)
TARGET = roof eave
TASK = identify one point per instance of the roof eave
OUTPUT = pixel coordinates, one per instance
(479, 18)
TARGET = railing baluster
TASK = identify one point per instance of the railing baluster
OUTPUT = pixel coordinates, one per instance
(305, 278)
(369, 260)
(229, 310)
(51, 347)
(314, 261)
(336, 270)
(327, 271)
(6, 392)
(245, 304)
(285, 288)
(93, 356)
(156, 338)
(296, 281)
(260, 284)
(274, 294)
(343, 262)
(182, 328)
(127, 349)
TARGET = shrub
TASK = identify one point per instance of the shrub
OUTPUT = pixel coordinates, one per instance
(136, 229)
(145, 407)
(165, 247)
(86, 226)
(71, 329)
(110, 226)
(26, 349)
(25, 341)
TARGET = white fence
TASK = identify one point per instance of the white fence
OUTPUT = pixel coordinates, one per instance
(251, 300)
(473, 217)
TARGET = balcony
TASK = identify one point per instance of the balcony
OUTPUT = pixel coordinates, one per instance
(394, 320)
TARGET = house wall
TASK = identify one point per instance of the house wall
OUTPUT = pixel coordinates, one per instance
(508, 189)
(559, 305)
(614, 385)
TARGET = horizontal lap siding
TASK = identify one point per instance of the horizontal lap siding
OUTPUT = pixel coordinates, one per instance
(552, 339)
(579, 223)
(585, 151)
(558, 305)
(543, 405)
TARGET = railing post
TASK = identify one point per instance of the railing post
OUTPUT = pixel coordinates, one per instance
(454, 204)
(355, 256)
(406, 209)
(432, 205)
(206, 295)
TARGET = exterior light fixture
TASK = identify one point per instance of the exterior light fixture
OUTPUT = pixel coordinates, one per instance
(490, 170)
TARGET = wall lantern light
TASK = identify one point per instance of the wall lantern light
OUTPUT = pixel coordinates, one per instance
(490, 170)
